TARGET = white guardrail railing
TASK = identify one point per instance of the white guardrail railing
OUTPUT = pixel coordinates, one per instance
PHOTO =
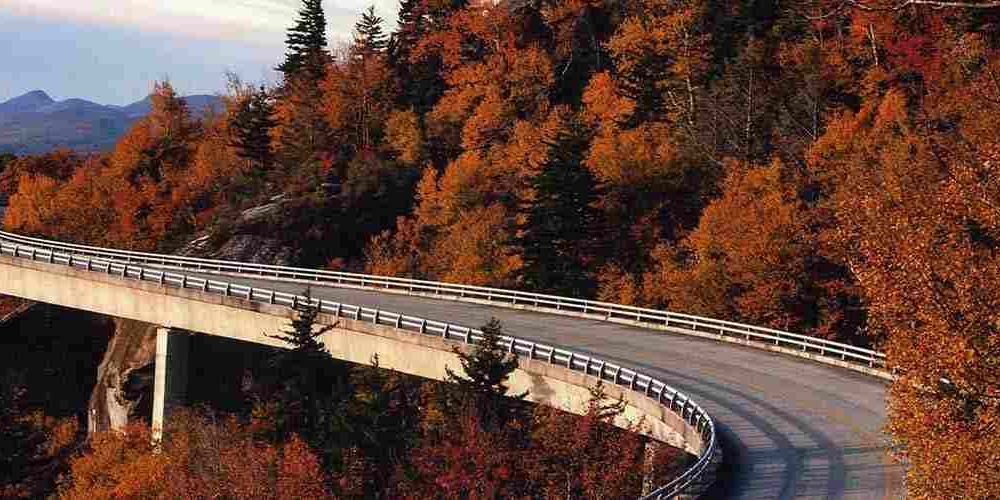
(682, 323)
(110, 262)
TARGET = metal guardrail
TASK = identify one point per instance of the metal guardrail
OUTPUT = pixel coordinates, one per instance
(678, 322)
(108, 262)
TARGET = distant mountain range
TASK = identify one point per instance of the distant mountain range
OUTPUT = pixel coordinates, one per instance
(35, 123)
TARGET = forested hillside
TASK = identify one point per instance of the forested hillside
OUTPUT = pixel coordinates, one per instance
(828, 167)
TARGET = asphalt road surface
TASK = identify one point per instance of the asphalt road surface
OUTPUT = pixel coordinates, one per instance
(790, 428)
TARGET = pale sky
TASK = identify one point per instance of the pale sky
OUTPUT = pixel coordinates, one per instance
(109, 51)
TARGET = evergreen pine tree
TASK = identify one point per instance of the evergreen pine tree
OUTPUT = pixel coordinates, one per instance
(424, 83)
(369, 38)
(561, 223)
(251, 129)
(486, 371)
(307, 55)
(303, 387)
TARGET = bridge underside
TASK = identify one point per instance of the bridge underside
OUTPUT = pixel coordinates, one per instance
(348, 340)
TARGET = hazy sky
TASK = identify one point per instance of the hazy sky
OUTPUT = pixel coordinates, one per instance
(109, 51)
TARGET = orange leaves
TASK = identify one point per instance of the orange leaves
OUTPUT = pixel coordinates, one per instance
(477, 251)
(118, 466)
(33, 208)
(201, 458)
(746, 257)
(916, 216)
(405, 136)
(603, 103)
(635, 156)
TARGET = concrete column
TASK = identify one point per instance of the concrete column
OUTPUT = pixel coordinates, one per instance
(170, 377)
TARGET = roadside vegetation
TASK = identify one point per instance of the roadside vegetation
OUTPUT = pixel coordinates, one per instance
(828, 167)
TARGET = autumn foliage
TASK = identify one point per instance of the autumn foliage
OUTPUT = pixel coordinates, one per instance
(826, 167)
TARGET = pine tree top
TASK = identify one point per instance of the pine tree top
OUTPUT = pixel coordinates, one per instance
(307, 43)
(488, 367)
(368, 35)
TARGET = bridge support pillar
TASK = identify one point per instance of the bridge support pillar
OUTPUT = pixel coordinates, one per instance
(170, 379)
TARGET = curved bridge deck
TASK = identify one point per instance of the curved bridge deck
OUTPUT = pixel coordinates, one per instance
(790, 428)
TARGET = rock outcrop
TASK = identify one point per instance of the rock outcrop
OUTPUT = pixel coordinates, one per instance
(124, 378)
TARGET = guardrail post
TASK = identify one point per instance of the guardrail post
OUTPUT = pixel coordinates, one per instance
(204, 285)
(295, 301)
(90, 264)
(569, 361)
(512, 345)
(33, 253)
(142, 271)
(423, 326)
(375, 319)
(399, 321)
(531, 353)
(52, 257)
(468, 336)
(552, 355)
(71, 263)
(340, 309)
(227, 290)
(631, 383)
(184, 279)
(444, 334)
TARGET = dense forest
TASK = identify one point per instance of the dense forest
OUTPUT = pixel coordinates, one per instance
(828, 167)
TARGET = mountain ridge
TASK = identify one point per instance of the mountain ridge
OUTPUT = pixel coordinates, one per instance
(34, 122)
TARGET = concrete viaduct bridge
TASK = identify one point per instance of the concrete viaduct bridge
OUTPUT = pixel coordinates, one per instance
(769, 414)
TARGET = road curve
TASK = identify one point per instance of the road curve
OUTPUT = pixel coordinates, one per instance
(790, 428)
